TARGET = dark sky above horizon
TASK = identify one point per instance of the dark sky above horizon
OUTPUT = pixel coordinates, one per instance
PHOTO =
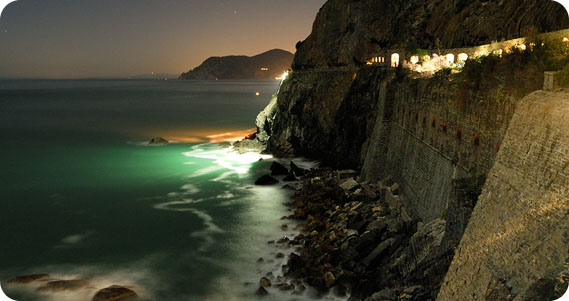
(94, 38)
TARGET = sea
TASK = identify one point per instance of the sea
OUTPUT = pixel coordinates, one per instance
(84, 196)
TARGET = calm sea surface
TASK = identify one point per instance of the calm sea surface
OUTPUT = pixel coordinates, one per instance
(82, 196)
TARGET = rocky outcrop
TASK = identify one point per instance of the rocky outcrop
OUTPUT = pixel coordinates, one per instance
(355, 241)
(158, 141)
(115, 293)
(267, 65)
(347, 32)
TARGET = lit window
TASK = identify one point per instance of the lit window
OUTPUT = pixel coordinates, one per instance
(395, 60)
(450, 58)
(414, 59)
(522, 47)
(565, 39)
(462, 57)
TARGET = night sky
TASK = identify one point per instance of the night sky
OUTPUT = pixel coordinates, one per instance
(100, 38)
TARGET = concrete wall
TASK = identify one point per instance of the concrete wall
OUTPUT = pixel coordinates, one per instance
(519, 230)
(431, 137)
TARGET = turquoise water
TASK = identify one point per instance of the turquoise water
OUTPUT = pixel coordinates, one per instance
(82, 195)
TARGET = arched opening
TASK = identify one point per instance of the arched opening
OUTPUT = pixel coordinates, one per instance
(395, 60)
(434, 123)
(459, 134)
(414, 59)
(445, 128)
(416, 117)
(462, 57)
(449, 58)
(424, 121)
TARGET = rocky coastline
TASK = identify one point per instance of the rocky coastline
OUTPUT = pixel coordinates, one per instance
(358, 242)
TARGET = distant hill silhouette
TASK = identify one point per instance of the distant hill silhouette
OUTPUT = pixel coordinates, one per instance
(267, 65)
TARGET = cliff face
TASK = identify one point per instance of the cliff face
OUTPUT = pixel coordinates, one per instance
(276, 61)
(436, 137)
(347, 32)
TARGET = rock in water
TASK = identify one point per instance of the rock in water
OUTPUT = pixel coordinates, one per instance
(266, 180)
(261, 291)
(278, 169)
(329, 279)
(28, 278)
(265, 281)
(64, 285)
(297, 170)
(158, 141)
(114, 293)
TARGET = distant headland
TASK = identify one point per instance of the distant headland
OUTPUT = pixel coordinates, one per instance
(267, 65)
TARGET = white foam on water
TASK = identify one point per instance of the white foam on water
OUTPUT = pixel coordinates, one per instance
(190, 189)
(169, 206)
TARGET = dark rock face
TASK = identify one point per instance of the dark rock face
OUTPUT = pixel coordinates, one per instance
(158, 141)
(243, 67)
(346, 32)
(115, 293)
(266, 180)
(326, 115)
(278, 169)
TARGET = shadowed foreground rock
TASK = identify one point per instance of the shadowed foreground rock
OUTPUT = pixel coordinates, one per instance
(115, 293)
(266, 180)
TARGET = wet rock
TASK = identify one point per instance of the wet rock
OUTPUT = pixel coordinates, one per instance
(278, 169)
(266, 180)
(115, 293)
(261, 291)
(28, 278)
(299, 172)
(158, 141)
(329, 279)
(286, 287)
(265, 282)
(64, 285)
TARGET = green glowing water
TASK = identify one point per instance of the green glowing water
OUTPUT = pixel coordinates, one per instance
(82, 196)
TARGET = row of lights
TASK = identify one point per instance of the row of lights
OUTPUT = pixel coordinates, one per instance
(462, 57)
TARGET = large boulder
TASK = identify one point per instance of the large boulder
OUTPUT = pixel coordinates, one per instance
(278, 169)
(158, 141)
(266, 180)
(115, 293)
